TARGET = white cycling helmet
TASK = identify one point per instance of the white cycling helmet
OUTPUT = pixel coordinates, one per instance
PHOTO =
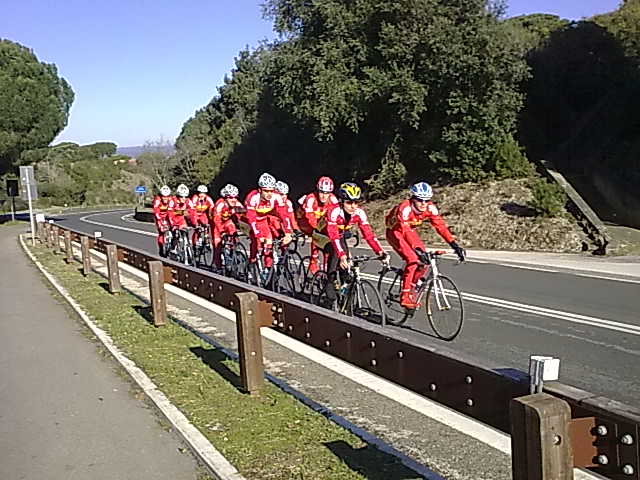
(165, 191)
(229, 191)
(267, 181)
(182, 190)
(325, 185)
(202, 189)
(282, 188)
(421, 191)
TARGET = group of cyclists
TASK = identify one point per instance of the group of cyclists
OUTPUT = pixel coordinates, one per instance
(326, 216)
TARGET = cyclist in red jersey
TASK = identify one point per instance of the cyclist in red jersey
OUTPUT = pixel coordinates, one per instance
(202, 204)
(274, 221)
(161, 214)
(180, 208)
(313, 206)
(259, 204)
(224, 214)
(401, 222)
(339, 220)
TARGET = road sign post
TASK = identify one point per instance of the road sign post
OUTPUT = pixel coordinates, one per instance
(141, 190)
(28, 180)
(12, 191)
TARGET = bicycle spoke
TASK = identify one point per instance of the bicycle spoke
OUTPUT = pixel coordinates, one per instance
(444, 308)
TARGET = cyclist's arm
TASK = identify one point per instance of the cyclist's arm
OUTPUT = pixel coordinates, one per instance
(283, 213)
(367, 232)
(439, 224)
(309, 210)
(252, 217)
(333, 232)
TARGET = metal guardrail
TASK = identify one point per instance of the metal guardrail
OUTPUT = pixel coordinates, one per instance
(604, 433)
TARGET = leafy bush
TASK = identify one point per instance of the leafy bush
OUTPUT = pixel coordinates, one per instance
(389, 179)
(510, 162)
(548, 198)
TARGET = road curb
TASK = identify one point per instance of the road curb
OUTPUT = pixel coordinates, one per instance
(213, 460)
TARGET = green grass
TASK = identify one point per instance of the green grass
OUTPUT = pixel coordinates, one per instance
(271, 436)
(11, 223)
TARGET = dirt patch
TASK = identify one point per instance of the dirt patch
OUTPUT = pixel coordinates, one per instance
(493, 216)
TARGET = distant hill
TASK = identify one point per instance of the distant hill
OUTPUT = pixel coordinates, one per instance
(135, 151)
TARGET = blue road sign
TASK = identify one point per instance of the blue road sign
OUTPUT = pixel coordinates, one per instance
(141, 189)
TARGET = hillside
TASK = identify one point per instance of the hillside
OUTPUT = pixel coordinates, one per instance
(492, 215)
(137, 150)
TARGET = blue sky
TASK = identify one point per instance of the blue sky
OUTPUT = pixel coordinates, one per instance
(141, 68)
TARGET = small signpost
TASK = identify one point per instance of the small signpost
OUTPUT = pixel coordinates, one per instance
(12, 192)
(29, 193)
(141, 190)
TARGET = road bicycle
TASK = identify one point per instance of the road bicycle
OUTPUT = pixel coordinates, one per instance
(439, 298)
(165, 248)
(202, 251)
(280, 276)
(233, 257)
(182, 250)
(355, 296)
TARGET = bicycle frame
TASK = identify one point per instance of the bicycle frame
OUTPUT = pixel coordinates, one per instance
(442, 302)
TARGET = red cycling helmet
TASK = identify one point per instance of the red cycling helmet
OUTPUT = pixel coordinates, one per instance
(325, 185)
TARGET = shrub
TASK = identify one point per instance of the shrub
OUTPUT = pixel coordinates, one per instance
(510, 162)
(390, 178)
(548, 198)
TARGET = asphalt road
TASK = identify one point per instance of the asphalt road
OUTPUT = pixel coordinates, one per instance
(591, 324)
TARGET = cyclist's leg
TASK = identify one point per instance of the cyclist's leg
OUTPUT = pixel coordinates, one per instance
(402, 248)
(333, 265)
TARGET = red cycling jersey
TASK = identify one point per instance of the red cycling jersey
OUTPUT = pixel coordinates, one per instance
(161, 211)
(180, 208)
(222, 212)
(201, 208)
(275, 222)
(336, 221)
(311, 210)
(403, 218)
(258, 211)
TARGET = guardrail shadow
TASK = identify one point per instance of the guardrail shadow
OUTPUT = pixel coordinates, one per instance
(370, 462)
(214, 359)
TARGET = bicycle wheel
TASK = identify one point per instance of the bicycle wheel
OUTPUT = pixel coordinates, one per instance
(293, 265)
(188, 251)
(367, 304)
(238, 268)
(166, 246)
(389, 285)
(282, 281)
(318, 291)
(444, 308)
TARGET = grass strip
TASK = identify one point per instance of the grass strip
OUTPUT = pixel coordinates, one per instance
(271, 436)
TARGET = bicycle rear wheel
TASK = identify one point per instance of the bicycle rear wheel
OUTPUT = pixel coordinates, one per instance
(389, 285)
(444, 307)
(294, 266)
(367, 303)
(238, 269)
(318, 291)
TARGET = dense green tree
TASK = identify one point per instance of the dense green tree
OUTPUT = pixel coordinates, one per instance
(437, 80)
(34, 102)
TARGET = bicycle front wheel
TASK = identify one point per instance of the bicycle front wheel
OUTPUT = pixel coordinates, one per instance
(389, 289)
(318, 291)
(444, 307)
(367, 303)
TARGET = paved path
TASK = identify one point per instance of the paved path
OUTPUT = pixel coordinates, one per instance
(64, 411)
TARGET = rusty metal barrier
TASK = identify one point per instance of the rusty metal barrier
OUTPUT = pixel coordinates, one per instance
(604, 433)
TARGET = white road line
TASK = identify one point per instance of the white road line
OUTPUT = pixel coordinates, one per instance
(602, 277)
(547, 312)
(116, 227)
(525, 267)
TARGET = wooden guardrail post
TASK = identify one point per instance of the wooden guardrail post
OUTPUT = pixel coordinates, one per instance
(62, 246)
(45, 234)
(67, 246)
(112, 269)
(540, 440)
(52, 229)
(55, 238)
(248, 326)
(40, 230)
(156, 290)
(86, 256)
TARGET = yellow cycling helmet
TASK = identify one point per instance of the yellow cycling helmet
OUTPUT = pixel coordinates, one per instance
(350, 191)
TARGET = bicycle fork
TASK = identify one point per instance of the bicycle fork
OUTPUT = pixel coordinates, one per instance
(442, 302)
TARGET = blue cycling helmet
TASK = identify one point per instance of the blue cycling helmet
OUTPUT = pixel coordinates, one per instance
(421, 191)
